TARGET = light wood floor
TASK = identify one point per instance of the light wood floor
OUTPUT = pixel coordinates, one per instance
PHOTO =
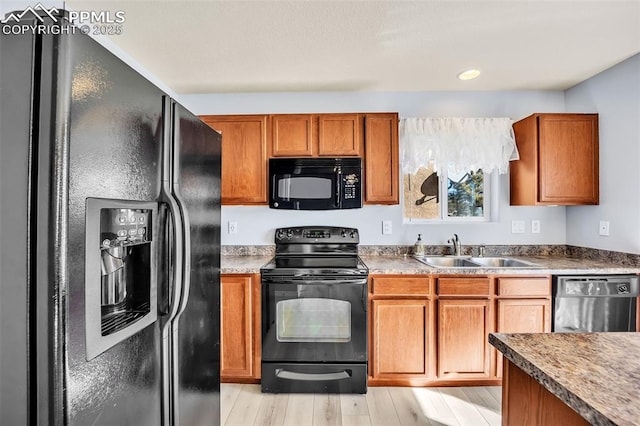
(243, 405)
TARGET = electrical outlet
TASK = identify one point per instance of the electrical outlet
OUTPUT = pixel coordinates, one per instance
(535, 226)
(604, 228)
(387, 227)
(517, 226)
(233, 227)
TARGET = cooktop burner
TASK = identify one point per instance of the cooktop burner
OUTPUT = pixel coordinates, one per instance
(316, 250)
(316, 262)
(315, 266)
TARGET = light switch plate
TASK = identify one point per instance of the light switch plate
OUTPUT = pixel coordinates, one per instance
(517, 226)
(535, 226)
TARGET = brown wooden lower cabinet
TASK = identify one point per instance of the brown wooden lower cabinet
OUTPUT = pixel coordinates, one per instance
(432, 330)
(523, 306)
(240, 343)
(522, 316)
(401, 338)
(526, 402)
(463, 351)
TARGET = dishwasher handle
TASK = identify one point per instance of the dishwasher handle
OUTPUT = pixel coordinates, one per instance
(611, 286)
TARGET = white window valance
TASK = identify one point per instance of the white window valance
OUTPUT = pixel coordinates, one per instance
(461, 143)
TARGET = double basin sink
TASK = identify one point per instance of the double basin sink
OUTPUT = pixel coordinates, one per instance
(474, 262)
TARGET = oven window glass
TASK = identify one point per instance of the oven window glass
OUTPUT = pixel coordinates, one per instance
(304, 188)
(313, 320)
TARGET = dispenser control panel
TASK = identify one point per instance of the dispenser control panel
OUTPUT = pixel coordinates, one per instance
(124, 226)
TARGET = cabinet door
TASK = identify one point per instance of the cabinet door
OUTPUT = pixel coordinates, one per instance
(292, 135)
(244, 157)
(558, 160)
(381, 159)
(522, 316)
(568, 158)
(239, 327)
(400, 338)
(463, 327)
(339, 134)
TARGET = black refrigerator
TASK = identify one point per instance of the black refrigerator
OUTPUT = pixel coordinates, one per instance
(109, 241)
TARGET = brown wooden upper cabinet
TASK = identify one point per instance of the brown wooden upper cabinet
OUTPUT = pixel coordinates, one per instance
(381, 165)
(340, 135)
(248, 141)
(293, 135)
(312, 135)
(558, 160)
(244, 157)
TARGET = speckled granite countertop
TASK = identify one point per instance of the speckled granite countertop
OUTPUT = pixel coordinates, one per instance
(548, 265)
(234, 264)
(596, 374)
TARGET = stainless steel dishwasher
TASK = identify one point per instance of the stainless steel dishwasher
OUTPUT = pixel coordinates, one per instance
(595, 303)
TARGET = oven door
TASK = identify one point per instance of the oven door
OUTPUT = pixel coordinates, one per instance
(314, 320)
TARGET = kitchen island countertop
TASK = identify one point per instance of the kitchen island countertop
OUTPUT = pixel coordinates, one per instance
(596, 374)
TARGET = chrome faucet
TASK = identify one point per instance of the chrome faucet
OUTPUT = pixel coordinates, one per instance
(457, 247)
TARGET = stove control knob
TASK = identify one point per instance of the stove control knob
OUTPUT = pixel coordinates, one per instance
(289, 233)
(280, 234)
(352, 234)
(343, 233)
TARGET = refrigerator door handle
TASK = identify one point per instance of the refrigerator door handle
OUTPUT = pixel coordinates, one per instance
(175, 211)
(186, 266)
(177, 274)
(186, 281)
(184, 214)
(186, 251)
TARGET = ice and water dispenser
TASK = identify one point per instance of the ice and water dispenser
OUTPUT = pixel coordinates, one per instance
(120, 274)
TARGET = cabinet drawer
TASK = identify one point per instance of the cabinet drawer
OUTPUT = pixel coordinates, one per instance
(463, 286)
(524, 287)
(400, 286)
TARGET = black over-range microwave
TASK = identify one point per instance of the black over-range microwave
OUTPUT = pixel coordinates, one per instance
(315, 183)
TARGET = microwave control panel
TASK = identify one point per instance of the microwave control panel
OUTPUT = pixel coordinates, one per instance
(351, 186)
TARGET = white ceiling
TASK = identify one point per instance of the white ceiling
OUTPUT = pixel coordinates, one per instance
(265, 46)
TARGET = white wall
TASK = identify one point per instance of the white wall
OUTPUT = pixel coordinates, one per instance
(256, 224)
(7, 6)
(615, 95)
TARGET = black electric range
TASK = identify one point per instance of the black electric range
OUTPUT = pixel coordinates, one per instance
(314, 312)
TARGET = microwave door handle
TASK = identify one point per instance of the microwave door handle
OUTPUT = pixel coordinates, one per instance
(338, 187)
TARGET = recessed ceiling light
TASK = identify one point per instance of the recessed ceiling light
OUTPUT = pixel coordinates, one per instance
(468, 74)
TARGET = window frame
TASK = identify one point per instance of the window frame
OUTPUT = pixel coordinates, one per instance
(490, 182)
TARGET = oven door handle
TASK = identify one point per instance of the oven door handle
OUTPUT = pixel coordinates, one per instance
(281, 373)
(311, 281)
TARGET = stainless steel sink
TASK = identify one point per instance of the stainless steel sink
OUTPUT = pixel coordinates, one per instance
(502, 262)
(474, 262)
(448, 262)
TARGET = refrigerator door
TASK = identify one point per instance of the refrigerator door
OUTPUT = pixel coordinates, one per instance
(108, 123)
(196, 330)
(15, 148)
